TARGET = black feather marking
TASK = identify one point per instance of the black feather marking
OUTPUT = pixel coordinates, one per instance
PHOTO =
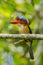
(30, 30)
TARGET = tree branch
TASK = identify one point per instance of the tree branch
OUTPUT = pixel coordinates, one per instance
(19, 42)
(22, 36)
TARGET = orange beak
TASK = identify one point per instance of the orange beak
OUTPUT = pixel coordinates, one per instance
(15, 22)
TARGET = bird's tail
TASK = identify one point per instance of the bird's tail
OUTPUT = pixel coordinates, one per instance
(31, 52)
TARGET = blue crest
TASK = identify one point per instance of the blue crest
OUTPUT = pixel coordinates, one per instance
(23, 18)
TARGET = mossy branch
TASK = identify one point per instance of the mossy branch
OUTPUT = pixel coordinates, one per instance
(23, 36)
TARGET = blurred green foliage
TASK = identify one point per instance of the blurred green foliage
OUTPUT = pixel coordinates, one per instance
(8, 12)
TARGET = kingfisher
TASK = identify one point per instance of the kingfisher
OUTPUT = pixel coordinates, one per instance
(24, 28)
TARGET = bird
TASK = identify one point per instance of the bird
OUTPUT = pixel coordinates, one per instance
(24, 28)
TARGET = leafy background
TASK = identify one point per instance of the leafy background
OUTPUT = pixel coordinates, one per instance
(11, 54)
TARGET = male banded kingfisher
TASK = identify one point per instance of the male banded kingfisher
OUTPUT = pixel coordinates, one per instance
(24, 29)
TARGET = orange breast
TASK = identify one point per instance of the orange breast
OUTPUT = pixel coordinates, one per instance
(23, 29)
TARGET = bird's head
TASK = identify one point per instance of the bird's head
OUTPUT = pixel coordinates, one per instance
(20, 20)
(23, 20)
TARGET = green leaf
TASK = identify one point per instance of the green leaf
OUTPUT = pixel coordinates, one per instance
(36, 1)
(29, 8)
